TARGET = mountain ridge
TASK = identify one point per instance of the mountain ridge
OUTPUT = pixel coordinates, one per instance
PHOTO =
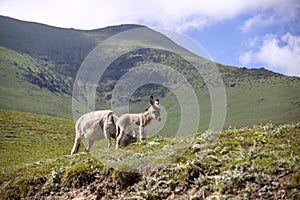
(51, 57)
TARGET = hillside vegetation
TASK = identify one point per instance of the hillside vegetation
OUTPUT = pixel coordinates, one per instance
(19, 94)
(38, 65)
(258, 162)
(256, 156)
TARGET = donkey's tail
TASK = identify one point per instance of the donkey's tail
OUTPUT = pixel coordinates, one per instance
(110, 118)
(118, 131)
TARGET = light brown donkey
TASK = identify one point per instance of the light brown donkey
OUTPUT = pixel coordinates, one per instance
(131, 122)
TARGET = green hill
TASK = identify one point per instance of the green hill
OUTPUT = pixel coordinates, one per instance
(38, 65)
(259, 162)
(17, 93)
(64, 48)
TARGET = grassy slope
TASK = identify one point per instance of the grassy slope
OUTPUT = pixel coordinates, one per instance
(27, 137)
(257, 162)
(270, 99)
(67, 48)
(245, 106)
(258, 97)
(18, 94)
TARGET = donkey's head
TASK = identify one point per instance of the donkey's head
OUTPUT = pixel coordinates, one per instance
(154, 109)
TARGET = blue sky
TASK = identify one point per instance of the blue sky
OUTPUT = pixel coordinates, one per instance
(248, 33)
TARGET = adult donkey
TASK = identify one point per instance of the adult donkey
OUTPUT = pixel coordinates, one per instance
(128, 123)
(97, 125)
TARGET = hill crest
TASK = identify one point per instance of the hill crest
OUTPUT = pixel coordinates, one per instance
(49, 57)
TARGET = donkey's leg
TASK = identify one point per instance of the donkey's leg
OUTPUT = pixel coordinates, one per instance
(120, 138)
(107, 137)
(109, 144)
(142, 134)
(76, 145)
(89, 145)
(133, 133)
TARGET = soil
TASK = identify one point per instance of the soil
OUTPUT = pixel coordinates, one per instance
(125, 185)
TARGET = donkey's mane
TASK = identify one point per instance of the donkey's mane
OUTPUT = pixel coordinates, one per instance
(146, 118)
(138, 118)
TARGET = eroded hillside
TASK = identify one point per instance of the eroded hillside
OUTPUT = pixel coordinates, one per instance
(259, 162)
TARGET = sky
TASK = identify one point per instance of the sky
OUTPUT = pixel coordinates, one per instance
(242, 33)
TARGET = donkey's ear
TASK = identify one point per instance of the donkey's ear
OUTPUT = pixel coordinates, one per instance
(156, 101)
(151, 100)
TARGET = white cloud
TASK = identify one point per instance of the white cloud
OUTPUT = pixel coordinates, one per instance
(178, 15)
(256, 21)
(246, 58)
(280, 54)
(279, 12)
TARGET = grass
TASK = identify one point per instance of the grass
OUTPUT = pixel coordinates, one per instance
(26, 137)
(38, 64)
(251, 162)
(20, 180)
(18, 94)
(262, 103)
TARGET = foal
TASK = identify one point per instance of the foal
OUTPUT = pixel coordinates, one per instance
(131, 122)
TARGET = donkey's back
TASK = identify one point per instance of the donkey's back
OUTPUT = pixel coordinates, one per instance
(95, 125)
(91, 125)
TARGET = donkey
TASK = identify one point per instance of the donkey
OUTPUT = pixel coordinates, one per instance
(97, 125)
(131, 122)
(94, 125)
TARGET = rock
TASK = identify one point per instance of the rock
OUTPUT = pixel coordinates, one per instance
(197, 147)
(153, 143)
